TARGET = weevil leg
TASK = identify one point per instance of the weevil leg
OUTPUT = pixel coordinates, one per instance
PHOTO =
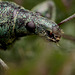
(46, 9)
(3, 65)
(52, 10)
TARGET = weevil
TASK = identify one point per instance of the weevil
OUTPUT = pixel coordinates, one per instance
(16, 21)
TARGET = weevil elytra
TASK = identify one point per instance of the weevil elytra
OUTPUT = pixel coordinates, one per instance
(16, 21)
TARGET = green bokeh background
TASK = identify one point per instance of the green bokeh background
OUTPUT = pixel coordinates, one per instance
(32, 55)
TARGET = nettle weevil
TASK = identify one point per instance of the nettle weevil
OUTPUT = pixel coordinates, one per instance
(16, 21)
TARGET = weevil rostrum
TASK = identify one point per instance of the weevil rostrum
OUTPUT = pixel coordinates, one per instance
(16, 21)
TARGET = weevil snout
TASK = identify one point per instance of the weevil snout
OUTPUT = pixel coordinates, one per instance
(47, 28)
(55, 34)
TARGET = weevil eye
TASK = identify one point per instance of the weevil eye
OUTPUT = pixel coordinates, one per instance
(30, 26)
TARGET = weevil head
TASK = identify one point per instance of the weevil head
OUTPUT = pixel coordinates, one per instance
(55, 34)
(48, 29)
(44, 27)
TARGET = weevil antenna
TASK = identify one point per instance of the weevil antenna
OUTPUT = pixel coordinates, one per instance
(67, 19)
(69, 37)
(58, 44)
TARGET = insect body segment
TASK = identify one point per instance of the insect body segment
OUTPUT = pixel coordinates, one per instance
(16, 21)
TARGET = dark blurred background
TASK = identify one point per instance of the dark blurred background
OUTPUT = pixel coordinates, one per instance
(32, 55)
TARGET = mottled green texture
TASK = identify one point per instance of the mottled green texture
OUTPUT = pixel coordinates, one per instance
(13, 21)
